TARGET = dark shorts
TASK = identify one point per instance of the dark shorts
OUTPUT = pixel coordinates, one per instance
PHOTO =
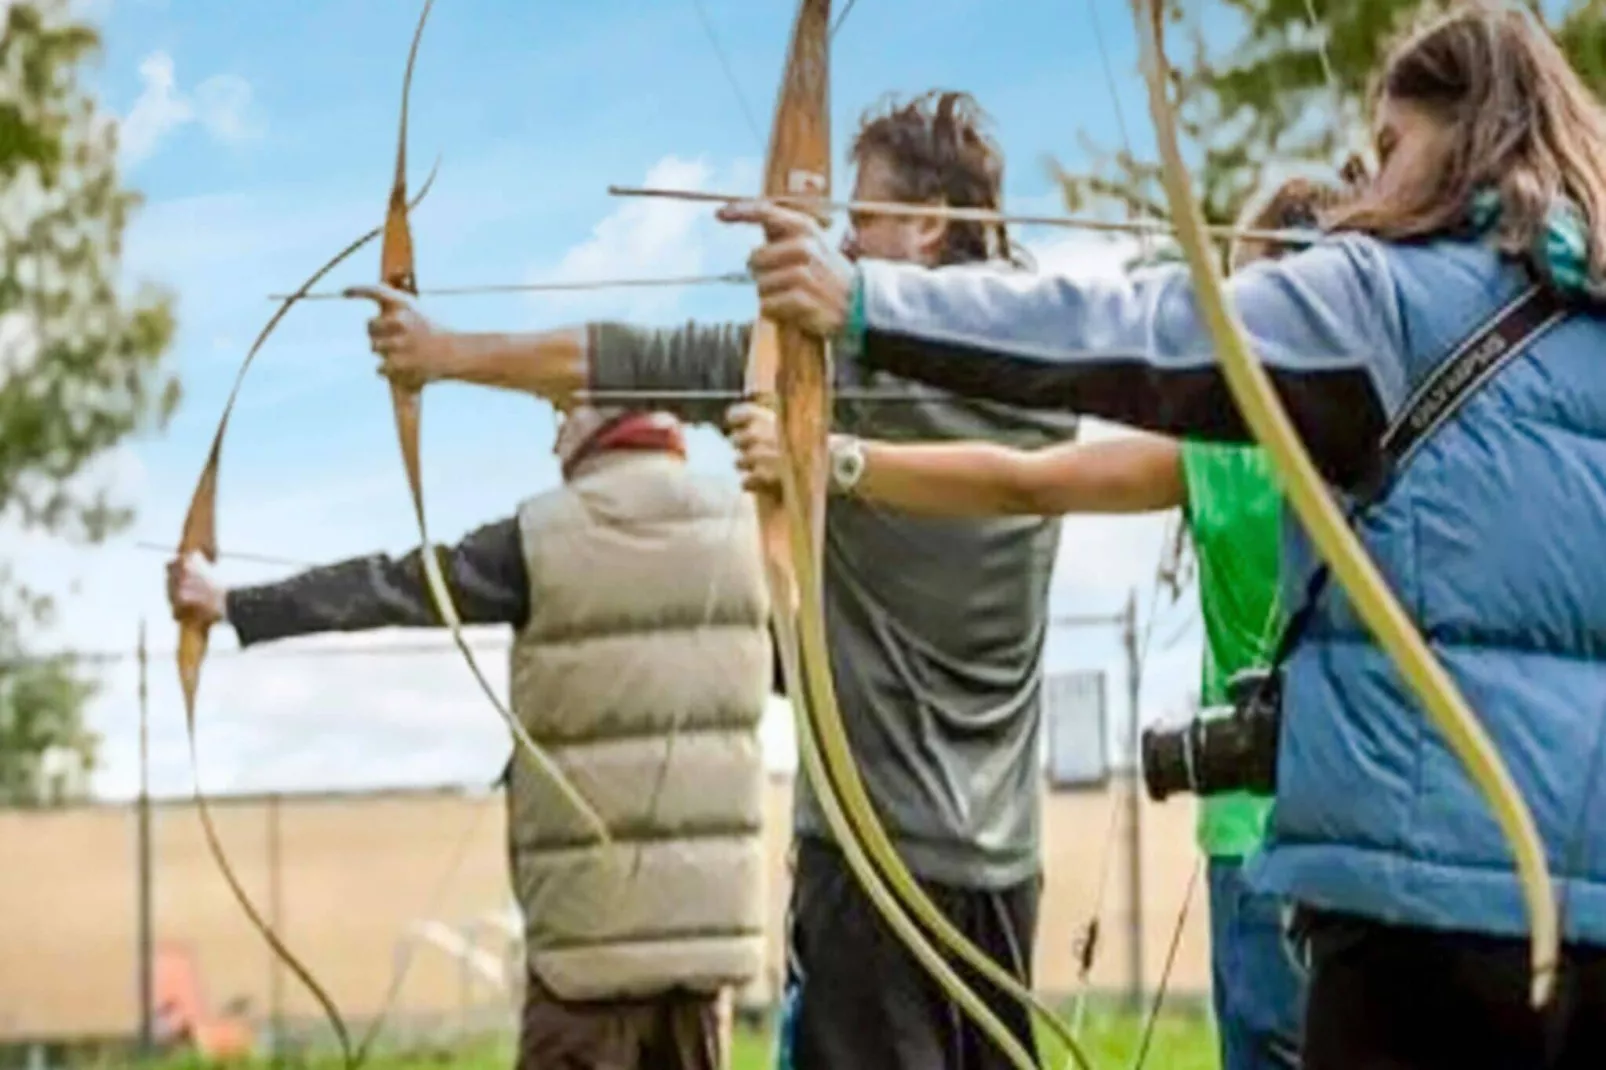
(856, 999)
(1390, 996)
(676, 1031)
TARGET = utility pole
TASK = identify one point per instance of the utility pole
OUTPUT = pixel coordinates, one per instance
(143, 956)
(1134, 799)
(1127, 622)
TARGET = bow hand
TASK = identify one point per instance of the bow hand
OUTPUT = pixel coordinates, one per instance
(756, 439)
(802, 279)
(413, 351)
(195, 597)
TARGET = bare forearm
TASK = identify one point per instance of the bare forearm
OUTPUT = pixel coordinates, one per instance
(1133, 474)
(962, 479)
(549, 364)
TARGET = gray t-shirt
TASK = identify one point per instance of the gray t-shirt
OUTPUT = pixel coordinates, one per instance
(935, 627)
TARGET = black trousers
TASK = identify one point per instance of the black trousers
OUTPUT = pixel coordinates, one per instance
(856, 999)
(1386, 997)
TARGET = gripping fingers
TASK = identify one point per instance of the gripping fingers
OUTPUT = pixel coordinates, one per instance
(389, 327)
(388, 297)
(789, 295)
(775, 256)
(779, 222)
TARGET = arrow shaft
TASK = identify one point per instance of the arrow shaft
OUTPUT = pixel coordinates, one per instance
(871, 394)
(729, 277)
(970, 215)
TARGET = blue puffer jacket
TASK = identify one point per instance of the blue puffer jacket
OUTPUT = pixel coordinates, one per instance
(1492, 537)
(1488, 538)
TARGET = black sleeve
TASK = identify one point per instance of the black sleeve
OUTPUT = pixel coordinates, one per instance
(485, 573)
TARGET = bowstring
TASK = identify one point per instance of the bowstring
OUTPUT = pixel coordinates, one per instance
(842, 17)
(741, 502)
(723, 57)
(1090, 931)
(1153, 1017)
(1323, 56)
(1088, 944)
(1074, 1055)
(1329, 74)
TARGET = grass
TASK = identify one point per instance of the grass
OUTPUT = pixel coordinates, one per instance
(1182, 1041)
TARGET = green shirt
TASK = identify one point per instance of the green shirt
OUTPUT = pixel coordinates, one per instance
(1234, 513)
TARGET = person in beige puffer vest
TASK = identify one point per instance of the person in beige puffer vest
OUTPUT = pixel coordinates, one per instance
(642, 662)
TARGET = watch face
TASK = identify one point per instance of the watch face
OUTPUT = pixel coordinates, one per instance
(847, 465)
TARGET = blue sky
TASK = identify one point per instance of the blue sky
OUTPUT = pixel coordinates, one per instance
(261, 135)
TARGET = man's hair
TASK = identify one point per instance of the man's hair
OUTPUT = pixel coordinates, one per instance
(1296, 204)
(1519, 121)
(940, 152)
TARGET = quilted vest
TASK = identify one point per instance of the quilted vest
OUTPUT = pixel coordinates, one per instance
(1490, 536)
(643, 669)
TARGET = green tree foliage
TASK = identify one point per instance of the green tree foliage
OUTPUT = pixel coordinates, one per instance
(80, 365)
(1275, 84)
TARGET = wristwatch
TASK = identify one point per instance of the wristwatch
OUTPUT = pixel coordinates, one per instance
(847, 463)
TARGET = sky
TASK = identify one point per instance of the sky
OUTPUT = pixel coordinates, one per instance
(261, 135)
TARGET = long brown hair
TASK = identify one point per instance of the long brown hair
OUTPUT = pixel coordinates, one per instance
(940, 152)
(1519, 121)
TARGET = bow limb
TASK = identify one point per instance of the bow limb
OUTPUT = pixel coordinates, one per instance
(791, 370)
(1338, 545)
(397, 271)
(199, 535)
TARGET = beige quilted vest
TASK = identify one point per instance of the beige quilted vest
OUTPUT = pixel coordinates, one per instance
(643, 670)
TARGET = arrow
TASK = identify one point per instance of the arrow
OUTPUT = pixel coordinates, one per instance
(545, 287)
(969, 215)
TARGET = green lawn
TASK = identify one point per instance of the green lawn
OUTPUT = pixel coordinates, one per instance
(1182, 1041)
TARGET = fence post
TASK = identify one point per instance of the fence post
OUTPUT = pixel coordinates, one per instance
(276, 920)
(145, 952)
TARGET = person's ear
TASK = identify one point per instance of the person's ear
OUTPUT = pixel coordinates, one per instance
(930, 233)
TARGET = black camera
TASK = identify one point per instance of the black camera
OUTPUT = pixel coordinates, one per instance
(1220, 752)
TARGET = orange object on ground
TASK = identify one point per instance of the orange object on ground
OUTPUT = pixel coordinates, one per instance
(182, 1017)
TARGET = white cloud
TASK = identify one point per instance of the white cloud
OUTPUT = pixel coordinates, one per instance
(1081, 253)
(652, 234)
(221, 105)
(158, 111)
(655, 238)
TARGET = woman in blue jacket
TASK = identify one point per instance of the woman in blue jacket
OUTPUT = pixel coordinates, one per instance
(1492, 173)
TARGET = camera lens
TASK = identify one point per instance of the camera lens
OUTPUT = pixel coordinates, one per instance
(1164, 755)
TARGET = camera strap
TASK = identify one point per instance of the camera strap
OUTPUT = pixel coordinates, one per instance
(1475, 361)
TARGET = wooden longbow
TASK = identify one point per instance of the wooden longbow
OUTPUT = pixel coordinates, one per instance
(397, 270)
(199, 536)
(791, 370)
